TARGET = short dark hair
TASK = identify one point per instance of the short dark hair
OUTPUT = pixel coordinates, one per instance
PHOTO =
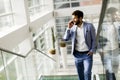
(78, 13)
(111, 10)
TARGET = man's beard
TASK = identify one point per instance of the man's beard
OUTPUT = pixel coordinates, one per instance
(78, 22)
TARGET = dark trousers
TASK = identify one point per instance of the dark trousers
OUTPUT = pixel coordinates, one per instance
(110, 76)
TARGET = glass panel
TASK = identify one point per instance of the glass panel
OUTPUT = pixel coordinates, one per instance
(2, 75)
(109, 41)
(36, 65)
(20, 68)
(75, 0)
(60, 1)
(76, 4)
(61, 25)
(2, 70)
(63, 5)
(11, 70)
(90, 2)
(13, 66)
(29, 68)
(6, 21)
(5, 6)
(10, 65)
(42, 67)
(35, 6)
(44, 37)
(113, 1)
(1, 61)
(38, 7)
(33, 2)
(7, 56)
(58, 4)
(40, 43)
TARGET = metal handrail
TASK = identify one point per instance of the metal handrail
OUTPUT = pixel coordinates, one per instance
(6, 14)
(103, 9)
(24, 56)
(45, 54)
(14, 53)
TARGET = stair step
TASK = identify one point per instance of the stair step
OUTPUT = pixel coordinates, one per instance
(60, 77)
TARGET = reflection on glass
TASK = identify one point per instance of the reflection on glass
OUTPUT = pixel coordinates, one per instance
(40, 43)
(2, 70)
(74, 0)
(60, 0)
(1, 61)
(11, 70)
(108, 47)
(38, 6)
(63, 5)
(6, 21)
(2, 75)
(7, 56)
(90, 2)
(10, 65)
(36, 65)
(5, 6)
(75, 4)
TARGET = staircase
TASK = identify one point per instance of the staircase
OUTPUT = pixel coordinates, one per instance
(70, 73)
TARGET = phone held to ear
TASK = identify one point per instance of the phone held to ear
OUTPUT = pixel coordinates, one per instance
(71, 23)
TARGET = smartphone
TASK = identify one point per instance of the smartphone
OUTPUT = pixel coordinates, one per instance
(72, 22)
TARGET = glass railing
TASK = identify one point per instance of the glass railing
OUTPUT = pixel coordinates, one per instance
(32, 66)
(108, 39)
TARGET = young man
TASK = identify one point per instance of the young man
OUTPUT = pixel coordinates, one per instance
(83, 44)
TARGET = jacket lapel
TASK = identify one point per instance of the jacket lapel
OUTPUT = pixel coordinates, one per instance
(85, 29)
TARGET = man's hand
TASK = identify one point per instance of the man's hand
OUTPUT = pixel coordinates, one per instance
(90, 53)
(70, 24)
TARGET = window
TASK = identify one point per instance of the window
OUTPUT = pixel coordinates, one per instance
(6, 15)
(75, 4)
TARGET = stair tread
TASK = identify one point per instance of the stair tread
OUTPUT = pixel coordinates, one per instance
(60, 77)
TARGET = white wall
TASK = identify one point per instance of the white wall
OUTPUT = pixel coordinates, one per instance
(12, 37)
